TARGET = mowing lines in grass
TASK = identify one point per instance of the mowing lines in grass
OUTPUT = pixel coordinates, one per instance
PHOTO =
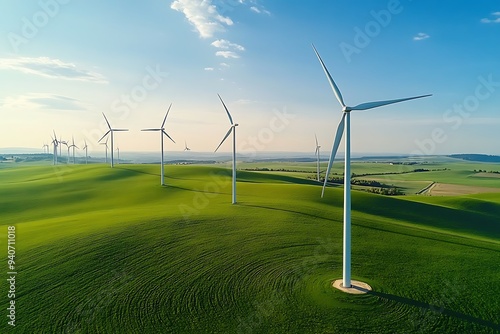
(11, 265)
(98, 301)
(271, 306)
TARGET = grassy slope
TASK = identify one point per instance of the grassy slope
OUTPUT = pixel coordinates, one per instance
(101, 249)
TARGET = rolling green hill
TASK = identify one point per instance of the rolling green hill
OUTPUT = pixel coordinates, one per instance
(102, 250)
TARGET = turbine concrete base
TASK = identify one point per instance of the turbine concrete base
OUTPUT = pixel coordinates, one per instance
(357, 287)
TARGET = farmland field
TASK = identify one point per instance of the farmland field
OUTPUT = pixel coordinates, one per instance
(102, 250)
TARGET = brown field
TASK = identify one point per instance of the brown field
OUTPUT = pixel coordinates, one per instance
(443, 189)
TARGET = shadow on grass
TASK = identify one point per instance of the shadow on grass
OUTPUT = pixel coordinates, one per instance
(288, 210)
(436, 310)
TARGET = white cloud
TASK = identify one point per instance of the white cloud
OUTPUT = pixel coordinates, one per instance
(230, 48)
(494, 20)
(42, 101)
(50, 68)
(224, 64)
(259, 11)
(203, 15)
(225, 44)
(227, 54)
(209, 68)
(421, 36)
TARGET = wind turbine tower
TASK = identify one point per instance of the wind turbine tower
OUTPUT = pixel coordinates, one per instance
(345, 126)
(111, 132)
(86, 154)
(317, 157)
(162, 132)
(106, 145)
(55, 143)
(233, 130)
(72, 146)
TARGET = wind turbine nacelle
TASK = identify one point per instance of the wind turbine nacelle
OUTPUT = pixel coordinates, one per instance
(236, 124)
(346, 109)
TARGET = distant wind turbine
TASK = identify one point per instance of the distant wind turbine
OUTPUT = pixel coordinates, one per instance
(73, 146)
(45, 146)
(106, 145)
(86, 154)
(344, 125)
(317, 156)
(118, 150)
(186, 148)
(60, 147)
(110, 131)
(162, 131)
(55, 143)
(68, 147)
(233, 130)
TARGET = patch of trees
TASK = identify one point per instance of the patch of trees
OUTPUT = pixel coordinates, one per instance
(484, 171)
(391, 191)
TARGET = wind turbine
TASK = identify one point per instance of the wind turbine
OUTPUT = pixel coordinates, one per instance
(231, 129)
(118, 150)
(68, 147)
(86, 155)
(45, 146)
(55, 143)
(317, 156)
(60, 147)
(344, 125)
(162, 131)
(111, 130)
(72, 146)
(106, 156)
(186, 148)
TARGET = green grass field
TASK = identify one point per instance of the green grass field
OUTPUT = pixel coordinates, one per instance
(102, 250)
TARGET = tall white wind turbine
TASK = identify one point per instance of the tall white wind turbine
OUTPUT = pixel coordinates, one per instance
(73, 146)
(162, 131)
(86, 154)
(110, 131)
(233, 130)
(344, 125)
(317, 156)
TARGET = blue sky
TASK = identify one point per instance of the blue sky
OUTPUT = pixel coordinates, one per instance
(64, 62)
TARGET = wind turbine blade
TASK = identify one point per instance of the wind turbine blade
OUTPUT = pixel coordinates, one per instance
(151, 130)
(109, 126)
(104, 136)
(371, 105)
(334, 86)
(227, 135)
(119, 129)
(228, 114)
(336, 143)
(166, 134)
(315, 137)
(164, 120)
